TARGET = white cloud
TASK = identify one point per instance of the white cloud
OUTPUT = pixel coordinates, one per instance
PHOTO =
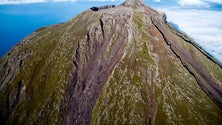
(204, 26)
(213, 1)
(102, 0)
(193, 3)
(157, 0)
(153, 0)
(20, 1)
(39, 1)
(63, 0)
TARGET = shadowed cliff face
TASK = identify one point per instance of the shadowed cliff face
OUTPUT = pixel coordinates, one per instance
(122, 65)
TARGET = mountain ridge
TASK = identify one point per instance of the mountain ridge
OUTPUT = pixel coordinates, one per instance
(122, 65)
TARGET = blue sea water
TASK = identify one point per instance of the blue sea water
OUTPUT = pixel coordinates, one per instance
(18, 21)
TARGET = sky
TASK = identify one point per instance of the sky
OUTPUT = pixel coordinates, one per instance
(200, 19)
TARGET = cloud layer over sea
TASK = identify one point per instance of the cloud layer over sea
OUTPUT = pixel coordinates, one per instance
(204, 26)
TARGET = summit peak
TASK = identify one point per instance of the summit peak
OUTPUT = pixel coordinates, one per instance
(133, 3)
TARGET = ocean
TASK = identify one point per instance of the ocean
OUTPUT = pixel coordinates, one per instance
(18, 21)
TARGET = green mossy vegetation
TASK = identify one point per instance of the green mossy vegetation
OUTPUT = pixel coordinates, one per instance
(138, 21)
(175, 94)
(123, 100)
(44, 82)
(45, 72)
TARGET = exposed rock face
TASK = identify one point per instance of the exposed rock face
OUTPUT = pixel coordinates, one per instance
(133, 3)
(122, 65)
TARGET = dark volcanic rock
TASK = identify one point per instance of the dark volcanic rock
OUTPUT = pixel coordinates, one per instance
(122, 65)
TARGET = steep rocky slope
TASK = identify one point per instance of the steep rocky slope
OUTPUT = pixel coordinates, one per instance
(122, 65)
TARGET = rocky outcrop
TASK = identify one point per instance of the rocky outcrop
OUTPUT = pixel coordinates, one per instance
(94, 61)
(122, 65)
(133, 3)
(206, 82)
